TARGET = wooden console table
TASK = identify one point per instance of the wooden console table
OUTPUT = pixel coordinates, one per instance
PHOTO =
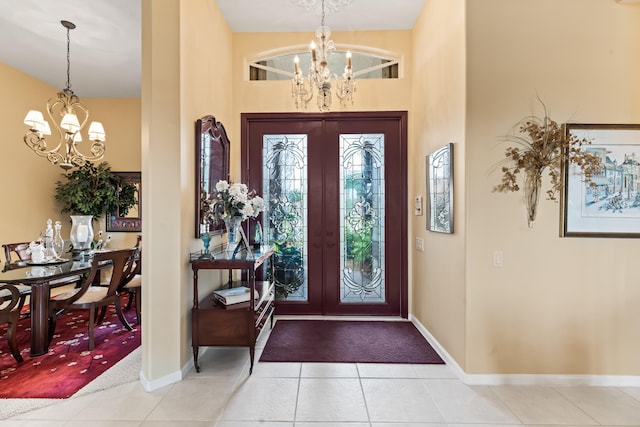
(214, 324)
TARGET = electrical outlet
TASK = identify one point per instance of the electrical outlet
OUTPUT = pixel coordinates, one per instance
(420, 244)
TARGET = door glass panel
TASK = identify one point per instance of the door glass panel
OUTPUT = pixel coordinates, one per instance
(284, 189)
(362, 218)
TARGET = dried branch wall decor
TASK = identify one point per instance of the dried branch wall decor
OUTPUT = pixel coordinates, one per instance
(540, 144)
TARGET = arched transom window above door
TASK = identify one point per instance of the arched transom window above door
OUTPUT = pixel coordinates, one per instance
(366, 65)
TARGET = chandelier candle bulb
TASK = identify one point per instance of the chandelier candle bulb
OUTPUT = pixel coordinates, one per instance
(312, 47)
(348, 59)
(296, 62)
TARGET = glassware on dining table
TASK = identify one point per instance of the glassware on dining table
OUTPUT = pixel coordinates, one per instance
(37, 252)
(58, 242)
(49, 251)
(81, 234)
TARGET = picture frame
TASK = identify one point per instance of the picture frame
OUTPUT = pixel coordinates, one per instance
(610, 207)
(132, 221)
(439, 205)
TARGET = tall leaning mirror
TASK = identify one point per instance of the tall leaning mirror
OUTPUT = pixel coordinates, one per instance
(212, 165)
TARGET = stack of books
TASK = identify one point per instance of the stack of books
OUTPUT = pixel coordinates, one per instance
(234, 295)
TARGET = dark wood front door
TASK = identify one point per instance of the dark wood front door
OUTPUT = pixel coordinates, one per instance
(335, 189)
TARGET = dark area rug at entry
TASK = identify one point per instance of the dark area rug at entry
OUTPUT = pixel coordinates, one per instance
(69, 365)
(349, 341)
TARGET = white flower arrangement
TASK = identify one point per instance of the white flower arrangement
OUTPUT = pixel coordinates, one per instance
(235, 200)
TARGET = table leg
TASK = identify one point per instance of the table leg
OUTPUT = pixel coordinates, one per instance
(195, 358)
(39, 306)
(252, 353)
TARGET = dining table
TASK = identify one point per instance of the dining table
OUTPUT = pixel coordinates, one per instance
(40, 277)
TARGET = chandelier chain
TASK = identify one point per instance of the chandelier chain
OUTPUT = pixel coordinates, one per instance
(322, 21)
(68, 61)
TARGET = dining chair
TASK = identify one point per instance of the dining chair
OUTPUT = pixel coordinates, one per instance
(91, 295)
(22, 253)
(10, 298)
(21, 250)
(132, 284)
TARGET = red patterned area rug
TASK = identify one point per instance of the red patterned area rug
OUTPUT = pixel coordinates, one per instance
(69, 365)
(348, 341)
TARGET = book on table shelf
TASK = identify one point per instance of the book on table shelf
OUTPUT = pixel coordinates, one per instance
(234, 295)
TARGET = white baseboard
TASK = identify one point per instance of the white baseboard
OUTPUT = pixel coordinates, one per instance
(173, 377)
(525, 379)
(160, 382)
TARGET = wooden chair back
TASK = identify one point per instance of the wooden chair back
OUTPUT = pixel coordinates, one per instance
(138, 269)
(131, 271)
(137, 264)
(19, 249)
(122, 262)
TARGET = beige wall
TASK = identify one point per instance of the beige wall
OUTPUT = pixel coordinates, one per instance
(438, 117)
(559, 305)
(206, 55)
(29, 181)
(185, 75)
(163, 193)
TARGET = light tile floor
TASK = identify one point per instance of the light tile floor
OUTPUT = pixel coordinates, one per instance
(335, 395)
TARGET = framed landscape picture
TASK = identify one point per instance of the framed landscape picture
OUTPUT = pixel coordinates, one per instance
(440, 190)
(610, 207)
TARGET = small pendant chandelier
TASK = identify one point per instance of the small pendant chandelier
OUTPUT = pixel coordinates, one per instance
(63, 113)
(320, 77)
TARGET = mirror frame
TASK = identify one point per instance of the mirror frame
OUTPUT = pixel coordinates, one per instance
(209, 131)
(128, 223)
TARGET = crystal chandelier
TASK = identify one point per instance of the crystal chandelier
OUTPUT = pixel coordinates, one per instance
(63, 112)
(320, 77)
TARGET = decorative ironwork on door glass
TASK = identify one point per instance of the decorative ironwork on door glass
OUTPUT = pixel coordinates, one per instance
(284, 187)
(362, 218)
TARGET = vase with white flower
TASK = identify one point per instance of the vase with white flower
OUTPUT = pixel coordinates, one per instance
(233, 204)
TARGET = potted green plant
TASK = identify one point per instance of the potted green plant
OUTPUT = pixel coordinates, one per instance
(94, 190)
(87, 193)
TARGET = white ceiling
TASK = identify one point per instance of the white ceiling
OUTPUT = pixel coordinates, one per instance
(106, 44)
(286, 15)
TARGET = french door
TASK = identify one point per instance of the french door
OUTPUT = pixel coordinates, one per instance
(334, 185)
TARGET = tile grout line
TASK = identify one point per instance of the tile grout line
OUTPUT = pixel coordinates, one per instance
(295, 409)
(364, 397)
